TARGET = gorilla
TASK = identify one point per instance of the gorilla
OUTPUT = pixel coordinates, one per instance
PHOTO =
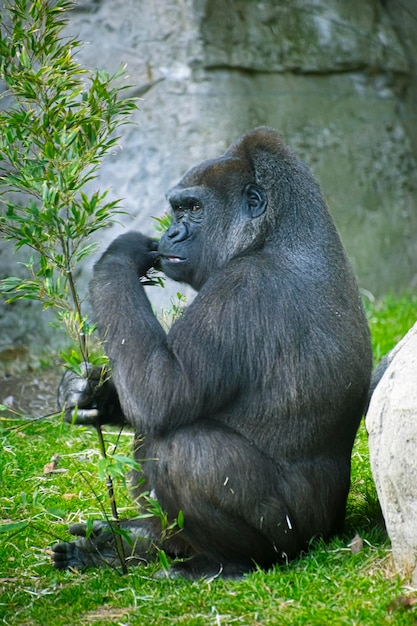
(245, 412)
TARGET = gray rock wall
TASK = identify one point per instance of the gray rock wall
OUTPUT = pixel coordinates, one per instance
(335, 77)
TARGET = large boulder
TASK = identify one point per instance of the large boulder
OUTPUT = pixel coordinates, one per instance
(391, 422)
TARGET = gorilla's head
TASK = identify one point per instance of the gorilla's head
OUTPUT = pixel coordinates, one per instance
(218, 211)
(257, 192)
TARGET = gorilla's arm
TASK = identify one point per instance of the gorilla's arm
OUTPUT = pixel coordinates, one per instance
(92, 397)
(159, 378)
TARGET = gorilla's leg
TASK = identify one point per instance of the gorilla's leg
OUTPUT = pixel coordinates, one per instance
(240, 509)
(235, 515)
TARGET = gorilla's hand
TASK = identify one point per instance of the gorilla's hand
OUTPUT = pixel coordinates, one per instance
(90, 398)
(137, 248)
(79, 395)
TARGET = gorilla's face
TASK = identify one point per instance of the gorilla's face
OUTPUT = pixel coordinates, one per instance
(182, 245)
(212, 203)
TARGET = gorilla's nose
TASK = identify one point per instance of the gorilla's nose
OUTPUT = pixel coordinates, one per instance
(178, 232)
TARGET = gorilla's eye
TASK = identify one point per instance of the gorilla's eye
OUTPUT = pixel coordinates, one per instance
(195, 207)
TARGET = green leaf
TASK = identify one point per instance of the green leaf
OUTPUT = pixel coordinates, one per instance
(163, 559)
(61, 513)
(126, 460)
(24, 58)
(162, 223)
(49, 150)
(103, 467)
(13, 526)
(180, 519)
(89, 528)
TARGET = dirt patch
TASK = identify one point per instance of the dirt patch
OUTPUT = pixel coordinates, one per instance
(32, 394)
(111, 615)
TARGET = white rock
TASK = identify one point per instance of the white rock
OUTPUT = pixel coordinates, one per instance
(392, 426)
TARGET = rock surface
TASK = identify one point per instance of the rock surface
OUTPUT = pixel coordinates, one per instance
(335, 77)
(392, 426)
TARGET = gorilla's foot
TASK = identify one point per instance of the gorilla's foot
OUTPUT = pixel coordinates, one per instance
(99, 548)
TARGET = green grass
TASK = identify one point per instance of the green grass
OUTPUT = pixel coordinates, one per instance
(389, 320)
(330, 585)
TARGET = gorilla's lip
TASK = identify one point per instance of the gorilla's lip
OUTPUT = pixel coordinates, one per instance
(173, 259)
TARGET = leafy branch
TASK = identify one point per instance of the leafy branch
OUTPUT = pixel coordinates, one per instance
(59, 126)
(53, 138)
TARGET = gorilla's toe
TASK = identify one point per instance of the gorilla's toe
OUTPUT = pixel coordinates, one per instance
(64, 556)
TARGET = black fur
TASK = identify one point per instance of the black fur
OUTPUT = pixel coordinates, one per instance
(249, 406)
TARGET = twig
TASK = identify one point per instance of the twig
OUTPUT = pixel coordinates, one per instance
(109, 484)
(109, 481)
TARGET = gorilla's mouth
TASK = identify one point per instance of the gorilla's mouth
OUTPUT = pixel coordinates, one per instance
(173, 259)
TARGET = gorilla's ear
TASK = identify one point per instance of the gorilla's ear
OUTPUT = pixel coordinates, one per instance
(255, 200)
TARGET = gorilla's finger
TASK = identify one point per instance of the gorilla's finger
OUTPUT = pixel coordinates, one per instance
(154, 256)
(60, 555)
(84, 416)
(80, 530)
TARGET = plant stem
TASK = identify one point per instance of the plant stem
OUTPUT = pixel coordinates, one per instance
(109, 481)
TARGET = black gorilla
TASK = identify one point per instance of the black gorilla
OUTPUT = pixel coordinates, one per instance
(249, 406)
